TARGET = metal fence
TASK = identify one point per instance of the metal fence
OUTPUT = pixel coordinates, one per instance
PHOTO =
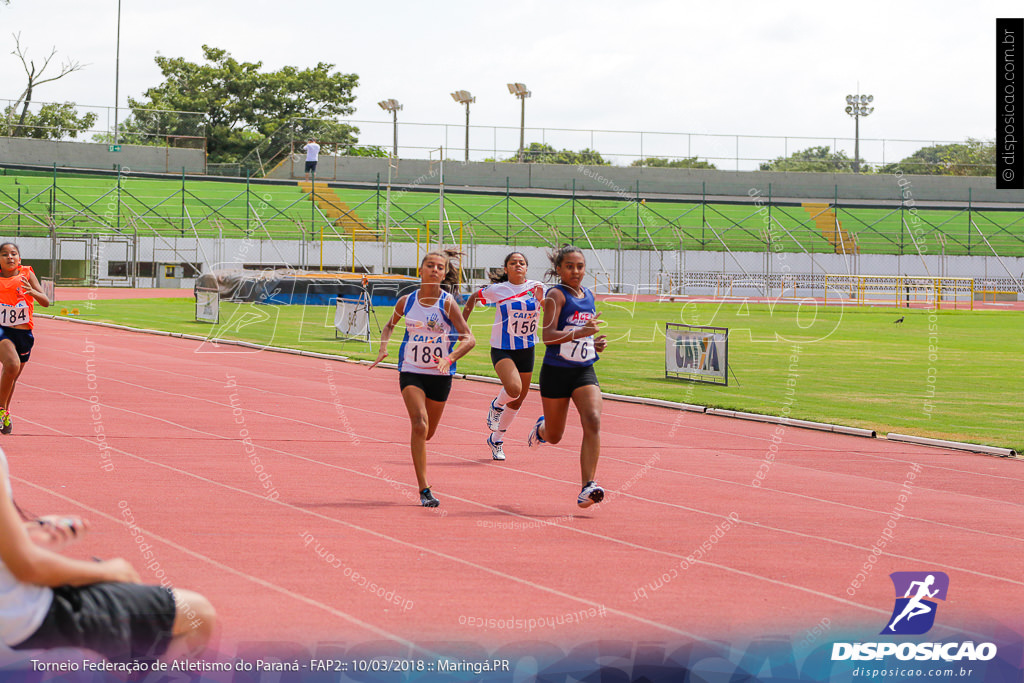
(136, 125)
(728, 152)
(634, 242)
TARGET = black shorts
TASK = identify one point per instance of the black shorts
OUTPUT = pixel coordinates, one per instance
(559, 382)
(22, 340)
(121, 621)
(310, 166)
(436, 387)
(523, 358)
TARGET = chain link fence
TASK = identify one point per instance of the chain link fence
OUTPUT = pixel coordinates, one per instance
(654, 245)
(135, 125)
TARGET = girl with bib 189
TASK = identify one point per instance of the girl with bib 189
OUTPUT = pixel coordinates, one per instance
(435, 337)
(19, 289)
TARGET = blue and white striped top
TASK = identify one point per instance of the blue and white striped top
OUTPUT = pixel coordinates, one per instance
(517, 314)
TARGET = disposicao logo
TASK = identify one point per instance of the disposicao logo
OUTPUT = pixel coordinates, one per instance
(916, 595)
(913, 614)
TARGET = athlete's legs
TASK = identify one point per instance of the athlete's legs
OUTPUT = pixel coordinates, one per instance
(524, 381)
(416, 405)
(555, 412)
(434, 411)
(193, 625)
(11, 370)
(511, 382)
(588, 403)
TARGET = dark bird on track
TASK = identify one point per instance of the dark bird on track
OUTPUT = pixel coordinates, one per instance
(898, 321)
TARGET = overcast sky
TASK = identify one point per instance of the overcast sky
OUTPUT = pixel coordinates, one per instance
(727, 69)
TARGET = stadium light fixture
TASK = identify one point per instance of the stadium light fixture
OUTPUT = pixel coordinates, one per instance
(117, 74)
(392, 106)
(464, 97)
(858, 106)
(520, 91)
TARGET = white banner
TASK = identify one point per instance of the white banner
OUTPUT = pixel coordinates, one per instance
(352, 319)
(208, 305)
(701, 352)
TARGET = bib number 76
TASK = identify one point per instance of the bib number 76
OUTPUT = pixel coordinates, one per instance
(577, 350)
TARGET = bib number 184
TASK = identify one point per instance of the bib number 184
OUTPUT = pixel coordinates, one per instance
(11, 316)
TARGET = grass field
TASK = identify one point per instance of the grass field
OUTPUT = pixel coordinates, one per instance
(951, 374)
(234, 210)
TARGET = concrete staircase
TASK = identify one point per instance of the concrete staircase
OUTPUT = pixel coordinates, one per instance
(831, 229)
(339, 212)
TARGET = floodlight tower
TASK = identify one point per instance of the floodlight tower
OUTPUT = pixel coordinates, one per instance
(392, 106)
(857, 106)
(117, 74)
(464, 97)
(520, 91)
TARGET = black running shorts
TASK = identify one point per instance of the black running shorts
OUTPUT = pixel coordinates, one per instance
(559, 382)
(435, 387)
(523, 358)
(121, 621)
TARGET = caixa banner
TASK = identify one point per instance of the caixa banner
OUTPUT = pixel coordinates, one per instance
(696, 353)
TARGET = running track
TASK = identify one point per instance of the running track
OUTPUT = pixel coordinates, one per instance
(184, 421)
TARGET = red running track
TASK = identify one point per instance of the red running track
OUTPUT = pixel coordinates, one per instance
(193, 429)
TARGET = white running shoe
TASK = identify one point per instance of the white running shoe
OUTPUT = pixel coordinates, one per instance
(534, 440)
(496, 451)
(493, 415)
(591, 493)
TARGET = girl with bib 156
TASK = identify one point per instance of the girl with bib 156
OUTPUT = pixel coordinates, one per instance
(435, 337)
(19, 289)
(517, 303)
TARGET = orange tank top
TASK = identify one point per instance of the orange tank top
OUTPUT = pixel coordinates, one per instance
(16, 306)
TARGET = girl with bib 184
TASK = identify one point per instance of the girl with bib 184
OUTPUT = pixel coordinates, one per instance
(19, 289)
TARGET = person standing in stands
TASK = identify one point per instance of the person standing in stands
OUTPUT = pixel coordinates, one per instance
(312, 156)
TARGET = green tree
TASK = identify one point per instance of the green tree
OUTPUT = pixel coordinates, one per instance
(543, 153)
(971, 158)
(246, 107)
(366, 151)
(685, 162)
(815, 160)
(52, 122)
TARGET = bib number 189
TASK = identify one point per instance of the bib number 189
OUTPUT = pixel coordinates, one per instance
(425, 355)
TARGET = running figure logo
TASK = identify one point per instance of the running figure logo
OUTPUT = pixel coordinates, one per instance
(914, 612)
